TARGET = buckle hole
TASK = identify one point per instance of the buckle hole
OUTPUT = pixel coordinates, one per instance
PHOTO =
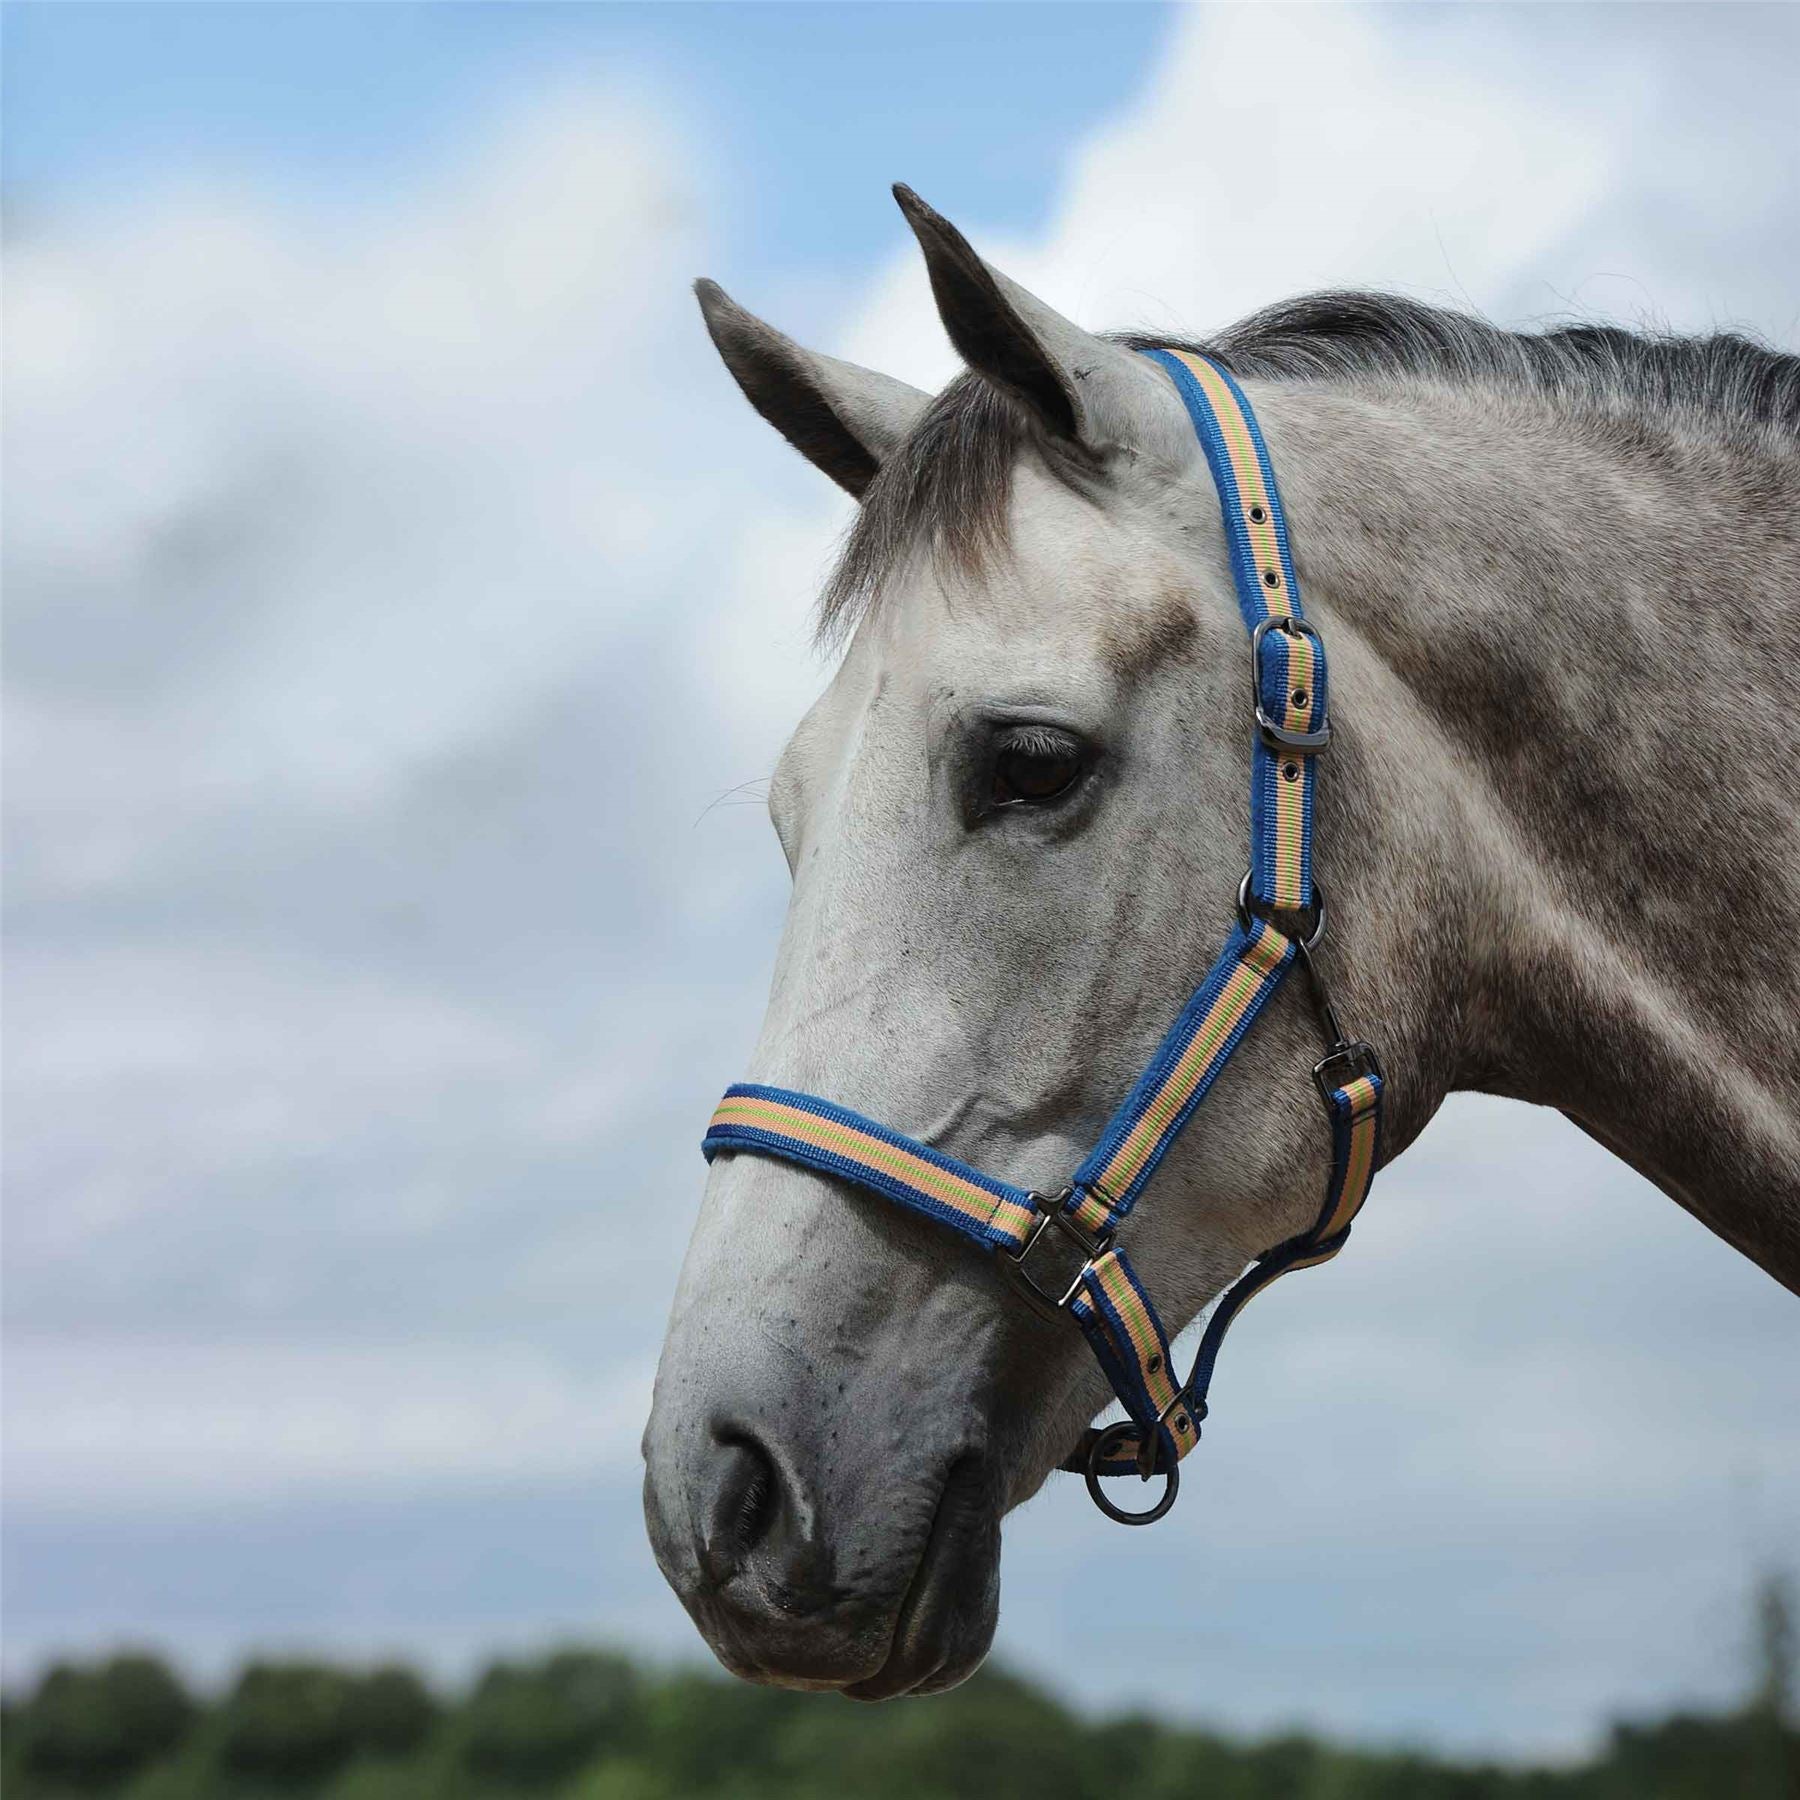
(1271, 578)
(1299, 696)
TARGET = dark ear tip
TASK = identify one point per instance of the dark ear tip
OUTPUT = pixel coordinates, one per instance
(721, 313)
(921, 217)
(937, 236)
(924, 218)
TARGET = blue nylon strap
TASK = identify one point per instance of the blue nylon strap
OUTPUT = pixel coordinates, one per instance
(1131, 1345)
(802, 1128)
(1235, 466)
(1109, 1331)
(1271, 772)
(1246, 571)
(1255, 961)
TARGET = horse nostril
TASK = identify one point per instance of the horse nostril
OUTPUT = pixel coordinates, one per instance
(756, 1502)
(745, 1498)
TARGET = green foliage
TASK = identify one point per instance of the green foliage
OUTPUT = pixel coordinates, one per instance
(1751, 1757)
(529, 1724)
(586, 1725)
(92, 1727)
(287, 1724)
(382, 1778)
(995, 1739)
(1777, 1646)
(391, 1712)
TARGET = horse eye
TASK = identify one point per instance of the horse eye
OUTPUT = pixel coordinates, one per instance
(1035, 764)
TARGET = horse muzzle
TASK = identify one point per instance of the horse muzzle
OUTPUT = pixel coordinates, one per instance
(807, 1565)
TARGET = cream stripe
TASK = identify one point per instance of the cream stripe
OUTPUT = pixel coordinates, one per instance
(1241, 451)
(827, 1134)
(1240, 989)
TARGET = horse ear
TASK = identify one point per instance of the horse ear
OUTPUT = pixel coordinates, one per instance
(1079, 385)
(841, 418)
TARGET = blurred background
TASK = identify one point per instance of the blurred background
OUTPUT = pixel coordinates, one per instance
(402, 611)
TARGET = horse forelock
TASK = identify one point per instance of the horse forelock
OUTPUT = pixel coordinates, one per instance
(947, 485)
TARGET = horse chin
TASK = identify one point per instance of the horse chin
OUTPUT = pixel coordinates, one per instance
(945, 1625)
(935, 1635)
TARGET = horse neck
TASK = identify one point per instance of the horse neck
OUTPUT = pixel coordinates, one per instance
(1572, 646)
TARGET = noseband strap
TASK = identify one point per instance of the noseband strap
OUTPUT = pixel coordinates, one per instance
(1061, 1250)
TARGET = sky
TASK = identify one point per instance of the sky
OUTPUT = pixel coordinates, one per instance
(401, 607)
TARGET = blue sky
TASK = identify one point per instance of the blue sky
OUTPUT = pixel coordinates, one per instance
(808, 110)
(393, 584)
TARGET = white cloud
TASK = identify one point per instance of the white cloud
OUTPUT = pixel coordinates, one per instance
(365, 619)
(238, 1422)
(389, 595)
(1452, 154)
(296, 510)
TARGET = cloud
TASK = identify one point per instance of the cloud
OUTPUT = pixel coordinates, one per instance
(1455, 155)
(366, 623)
(280, 1422)
(390, 595)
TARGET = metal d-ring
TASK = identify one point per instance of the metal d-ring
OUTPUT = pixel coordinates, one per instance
(1310, 942)
(1171, 1481)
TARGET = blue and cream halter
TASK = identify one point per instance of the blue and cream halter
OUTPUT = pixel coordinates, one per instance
(1280, 919)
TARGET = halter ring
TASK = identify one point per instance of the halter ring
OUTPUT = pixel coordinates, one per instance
(1311, 941)
(1171, 1480)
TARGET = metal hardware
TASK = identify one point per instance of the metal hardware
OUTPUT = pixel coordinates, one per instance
(1353, 1056)
(1312, 940)
(1171, 1479)
(1328, 1019)
(1276, 735)
(1043, 1300)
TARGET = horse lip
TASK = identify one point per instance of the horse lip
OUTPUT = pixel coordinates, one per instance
(964, 1528)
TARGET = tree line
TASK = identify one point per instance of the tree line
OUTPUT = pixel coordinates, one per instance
(584, 1724)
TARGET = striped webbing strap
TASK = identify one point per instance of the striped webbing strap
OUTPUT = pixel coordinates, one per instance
(836, 1141)
(1280, 917)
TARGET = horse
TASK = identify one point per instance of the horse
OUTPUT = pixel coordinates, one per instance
(1560, 577)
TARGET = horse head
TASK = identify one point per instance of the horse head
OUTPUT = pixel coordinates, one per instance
(1015, 822)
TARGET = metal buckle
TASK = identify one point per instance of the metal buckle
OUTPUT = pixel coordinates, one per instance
(1310, 942)
(1273, 732)
(1043, 1300)
(1356, 1058)
(1352, 1054)
(1171, 1480)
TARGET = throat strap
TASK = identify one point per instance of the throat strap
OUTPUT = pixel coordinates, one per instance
(1133, 1348)
(1061, 1249)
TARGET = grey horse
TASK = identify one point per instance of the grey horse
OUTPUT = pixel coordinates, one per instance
(1560, 579)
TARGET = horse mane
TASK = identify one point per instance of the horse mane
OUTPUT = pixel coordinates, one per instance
(948, 484)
